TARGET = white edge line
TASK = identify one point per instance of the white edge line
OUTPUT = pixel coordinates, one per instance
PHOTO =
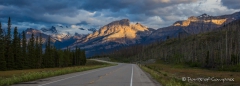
(131, 76)
(68, 78)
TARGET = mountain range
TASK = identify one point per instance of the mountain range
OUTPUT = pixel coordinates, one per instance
(124, 33)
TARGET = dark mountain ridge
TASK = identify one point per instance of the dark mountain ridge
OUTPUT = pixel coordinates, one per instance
(123, 33)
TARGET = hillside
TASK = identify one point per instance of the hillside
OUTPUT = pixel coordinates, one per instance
(123, 33)
(214, 50)
(59, 40)
(113, 35)
(193, 25)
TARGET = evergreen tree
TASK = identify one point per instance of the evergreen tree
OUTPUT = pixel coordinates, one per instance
(83, 58)
(24, 49)
(31, 51)
(17, 53)
(207, 59)
(2, 57)
(37, 54)
(8, 50)
(20, 63)
(56, 57)
(16, 48)
(40, 51)
(78, 56)
(61, 58)
(48, 56)
(44, 59)
(67, 57)
(51, 53)
(75, 56)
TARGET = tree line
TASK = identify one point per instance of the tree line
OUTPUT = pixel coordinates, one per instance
(218, 49)
(17, 52)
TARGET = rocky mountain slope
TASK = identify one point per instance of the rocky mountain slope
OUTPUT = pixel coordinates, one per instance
(60, 40)
(113, 35)
(193, 25)
(123, 33)
(36, 33)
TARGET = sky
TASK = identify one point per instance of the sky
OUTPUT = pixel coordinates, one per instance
(97, 13)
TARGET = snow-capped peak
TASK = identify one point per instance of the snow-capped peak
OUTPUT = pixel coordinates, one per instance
(52, 30)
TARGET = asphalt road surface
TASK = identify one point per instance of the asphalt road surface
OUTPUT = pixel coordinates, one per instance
(119, 75)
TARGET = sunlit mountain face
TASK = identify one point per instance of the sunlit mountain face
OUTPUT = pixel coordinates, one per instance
(116, 23)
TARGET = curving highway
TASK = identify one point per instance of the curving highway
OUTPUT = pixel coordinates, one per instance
(119, 75)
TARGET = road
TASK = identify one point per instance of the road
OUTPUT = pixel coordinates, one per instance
(119, 75)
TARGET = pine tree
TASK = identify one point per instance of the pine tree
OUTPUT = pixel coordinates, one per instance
(8, 51)
(16, 48)
(207, 59)
(56, 57)
(61, 58)
(78, 56)
(48, 56)
(31, 51)
(40, 51)
(24, 49)
(75, 56)
(84, 58)
(67, 57)
(51, 53)
(44, 59)
(37, 54)
(2, 57)
(20, 63)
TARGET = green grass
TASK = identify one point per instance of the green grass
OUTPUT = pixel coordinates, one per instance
(17, 76)
(171, 75)
(165, 79)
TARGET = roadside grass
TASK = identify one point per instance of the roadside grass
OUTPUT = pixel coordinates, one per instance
(17, 76)
(164, 78)
(171, 75)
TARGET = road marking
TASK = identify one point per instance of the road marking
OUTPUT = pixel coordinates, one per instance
(71, 77)
(131, 76)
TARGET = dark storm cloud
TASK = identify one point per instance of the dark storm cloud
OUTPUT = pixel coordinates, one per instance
(42, 6)
(82, 23)
(232, 4)
(34, 10)
(132, 6)
(49, 12)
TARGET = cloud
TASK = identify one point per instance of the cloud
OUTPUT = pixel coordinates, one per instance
(131, 6)
(41, 11)
(96, 13)
(232, 4)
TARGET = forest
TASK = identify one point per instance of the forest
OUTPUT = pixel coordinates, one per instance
(218, 50)
(17, 52)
